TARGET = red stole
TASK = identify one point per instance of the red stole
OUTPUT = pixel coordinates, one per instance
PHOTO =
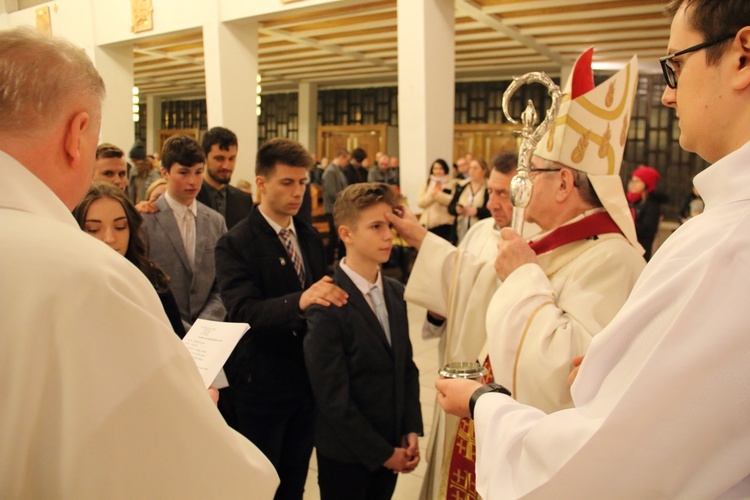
(461, 482)
(588, 227)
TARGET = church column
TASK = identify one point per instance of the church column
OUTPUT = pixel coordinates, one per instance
(115, 65)
(231, 62)
(426, 89)
(153, 125)
(308, 116)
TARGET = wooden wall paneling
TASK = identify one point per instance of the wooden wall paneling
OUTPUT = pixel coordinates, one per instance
(371, 138)
(484, 140)
(165, 134)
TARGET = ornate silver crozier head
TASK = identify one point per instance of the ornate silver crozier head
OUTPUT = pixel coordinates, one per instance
(521, 187)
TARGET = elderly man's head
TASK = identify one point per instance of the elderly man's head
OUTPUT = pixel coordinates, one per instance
(560, 193)
(498, 188)
(50, 110)
(383, 161)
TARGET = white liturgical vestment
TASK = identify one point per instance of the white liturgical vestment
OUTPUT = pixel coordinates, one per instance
(100, 399)
(454, 283)
(450, 281)
(661, 399)
(544, 315)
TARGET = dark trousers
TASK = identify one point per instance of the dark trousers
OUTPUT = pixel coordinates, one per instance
(346, 481)
(284, 433)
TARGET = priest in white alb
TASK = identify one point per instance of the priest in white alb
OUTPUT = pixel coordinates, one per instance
(455, 284)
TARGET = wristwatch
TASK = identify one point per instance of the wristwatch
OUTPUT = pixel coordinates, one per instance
(484, 390)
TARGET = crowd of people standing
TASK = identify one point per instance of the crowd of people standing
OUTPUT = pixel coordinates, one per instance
(606, 376)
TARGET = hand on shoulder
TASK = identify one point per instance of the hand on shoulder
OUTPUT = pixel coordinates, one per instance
(323, 293)
(146, 207)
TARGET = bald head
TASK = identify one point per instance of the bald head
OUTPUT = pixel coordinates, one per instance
(50, 110)
(41, 78)
(383, 161)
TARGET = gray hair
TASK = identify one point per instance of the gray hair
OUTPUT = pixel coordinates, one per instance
(38, 76)
(580, 181)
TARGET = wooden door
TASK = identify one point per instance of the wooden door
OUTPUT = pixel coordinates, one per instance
(166, 133)
(371, 141)
(371, 138)
(484, 140)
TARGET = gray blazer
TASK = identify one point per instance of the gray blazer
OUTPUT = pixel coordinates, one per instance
(194, 289)
(334, 181)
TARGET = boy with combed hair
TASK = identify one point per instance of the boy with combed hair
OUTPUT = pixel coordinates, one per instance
(359, 360)
(182, 234)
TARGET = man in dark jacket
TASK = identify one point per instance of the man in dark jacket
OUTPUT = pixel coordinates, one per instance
(270, 269)
(220, 147)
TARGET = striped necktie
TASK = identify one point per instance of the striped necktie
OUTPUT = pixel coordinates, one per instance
(286, 238)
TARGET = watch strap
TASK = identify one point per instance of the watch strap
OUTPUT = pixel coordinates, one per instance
(484, 390)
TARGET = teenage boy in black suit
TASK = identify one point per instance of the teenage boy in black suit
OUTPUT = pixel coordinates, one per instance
(359, 360)
(270, 270)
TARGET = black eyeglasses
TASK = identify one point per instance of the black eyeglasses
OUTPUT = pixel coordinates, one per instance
(535, 170)
(667, 66)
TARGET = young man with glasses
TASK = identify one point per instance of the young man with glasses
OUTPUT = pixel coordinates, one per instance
(661, 398)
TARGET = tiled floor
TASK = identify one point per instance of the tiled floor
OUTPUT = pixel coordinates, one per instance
(425, 356)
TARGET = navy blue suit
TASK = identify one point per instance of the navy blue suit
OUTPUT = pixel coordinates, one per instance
(367, 390)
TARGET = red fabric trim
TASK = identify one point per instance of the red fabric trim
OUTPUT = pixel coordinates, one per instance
(582, 76)
(462, 468)
(588, 227)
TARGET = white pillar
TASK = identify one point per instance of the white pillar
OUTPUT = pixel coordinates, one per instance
(231, 62)
(153, 123)
(426, 88)
(307, 104)
(115, 64)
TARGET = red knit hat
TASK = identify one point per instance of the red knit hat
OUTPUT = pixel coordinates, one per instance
(649, 175)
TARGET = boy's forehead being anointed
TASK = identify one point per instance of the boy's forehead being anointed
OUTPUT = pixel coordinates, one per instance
(370, 214)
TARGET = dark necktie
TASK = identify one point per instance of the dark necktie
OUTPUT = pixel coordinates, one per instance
(221, 202)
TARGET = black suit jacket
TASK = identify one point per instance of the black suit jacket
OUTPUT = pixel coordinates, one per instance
(355, 175)
(258, 285)
(239, 204)
(367, 391)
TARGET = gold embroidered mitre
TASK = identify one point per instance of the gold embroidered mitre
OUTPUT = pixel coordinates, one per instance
(592, 119)
(590, 130)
